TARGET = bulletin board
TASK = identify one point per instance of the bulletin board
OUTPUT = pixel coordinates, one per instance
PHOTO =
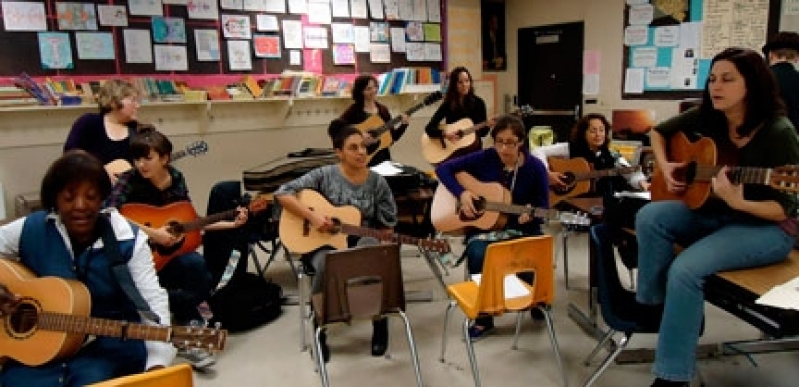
(55, 38)
(668, 44)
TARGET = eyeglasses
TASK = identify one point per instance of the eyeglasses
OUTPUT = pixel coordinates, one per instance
(506, 144)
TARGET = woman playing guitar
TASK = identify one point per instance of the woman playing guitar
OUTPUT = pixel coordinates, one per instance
(509, 163)
(68, 243)
(741, 226)
(364, 106)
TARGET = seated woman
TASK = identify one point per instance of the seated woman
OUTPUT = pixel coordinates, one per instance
(590, 139)
(350, 182)
(508, 163)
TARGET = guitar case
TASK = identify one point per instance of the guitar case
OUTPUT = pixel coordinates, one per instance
(270, 176)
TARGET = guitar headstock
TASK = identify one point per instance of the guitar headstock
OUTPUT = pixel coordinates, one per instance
(432, 98)
(785, 178)
(197, 148)
(574, 221)
(211, 339)
(524, 111)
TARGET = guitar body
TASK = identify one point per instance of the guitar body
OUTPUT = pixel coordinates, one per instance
(435, 153)
(701, 152)
(375, 122)
(445, 213)
(171, 214)
(299, 236)
(568, 168)
(19, 338)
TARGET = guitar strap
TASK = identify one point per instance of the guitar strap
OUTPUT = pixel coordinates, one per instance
(120, 269)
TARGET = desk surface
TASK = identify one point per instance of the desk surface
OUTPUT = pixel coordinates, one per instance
(760, 280)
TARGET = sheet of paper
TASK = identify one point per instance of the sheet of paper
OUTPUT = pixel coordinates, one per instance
(645, 195)
(239, 57)
(785, 296)
(23, 16)
(295, 58)
(170, 58)
(298, 7)
(340, 8)
(55, 50)
(386, 168)
(112, 15)
(319, 12)
(361, 38)
(207, 42)
(292, 33)
(203, 9)
(138, 48)
(397, 39)
(95, 45)
(145, 7)
(276, 6)
(514, 287)
(634, 81)
(342, 33)
(266, 23)
(358, 9)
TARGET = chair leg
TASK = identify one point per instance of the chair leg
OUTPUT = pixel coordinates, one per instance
(470, 352)
(518, 329)
(412, 345)
(554, 340)
(301, 307)
(611, 357)
(320, 362)
(444, 334)
(632, 279)
(565, 240)
(607, 337)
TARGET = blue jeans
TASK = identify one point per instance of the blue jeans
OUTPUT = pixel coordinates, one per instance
(188, 283)
(715, 242)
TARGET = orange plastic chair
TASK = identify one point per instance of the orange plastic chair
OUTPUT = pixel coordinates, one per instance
(506, 259)
(179, 375)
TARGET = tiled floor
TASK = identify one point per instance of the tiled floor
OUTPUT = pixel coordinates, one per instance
(270, 355)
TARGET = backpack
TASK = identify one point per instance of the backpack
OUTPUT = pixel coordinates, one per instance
(247, 301)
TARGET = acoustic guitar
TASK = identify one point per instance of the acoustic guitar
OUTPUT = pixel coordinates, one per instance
(380, 132)
(194, 149)
(182, 221)
(493, 203)
(701, 157)
(297, 234)
(438, 150)
(577, 175)
(52, 321)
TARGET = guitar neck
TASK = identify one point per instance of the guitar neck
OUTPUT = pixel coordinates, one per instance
(518, 210)
(605, 173)
(59, 322)
(737, 175)
(474, 128)
(385, 237)
(199, 223)
(178, 155)
(396, 120)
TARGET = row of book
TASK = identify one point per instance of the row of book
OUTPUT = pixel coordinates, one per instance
(409, 80)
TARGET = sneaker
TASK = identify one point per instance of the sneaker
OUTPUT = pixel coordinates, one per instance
(199, 358)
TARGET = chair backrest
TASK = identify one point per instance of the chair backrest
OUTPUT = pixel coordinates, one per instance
(616, 302)
(179, 375)
(523, 255)
(360, 282)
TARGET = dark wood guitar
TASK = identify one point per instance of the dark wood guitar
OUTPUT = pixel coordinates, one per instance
(577, 175)
(297, 234)
(380, 132)
(494, 203)
(701, 157)
(438, 150)
(52, 321)
(181, 220)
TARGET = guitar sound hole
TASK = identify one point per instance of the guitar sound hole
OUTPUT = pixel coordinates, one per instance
(568, 180)
(24, 319)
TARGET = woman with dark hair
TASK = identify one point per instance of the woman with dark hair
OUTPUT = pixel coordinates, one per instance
(459, 102)
(364, 106)
(66, 241)
(155, 182)
(350, 182)
(740, 226)
(510, 164)
(105, 134)
(590, 140)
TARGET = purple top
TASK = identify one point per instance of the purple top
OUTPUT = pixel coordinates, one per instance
(88, 133)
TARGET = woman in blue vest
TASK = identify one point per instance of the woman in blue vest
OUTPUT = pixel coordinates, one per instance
(66, 241)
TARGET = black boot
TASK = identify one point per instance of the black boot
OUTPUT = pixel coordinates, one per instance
(380, 337)
(668, 383)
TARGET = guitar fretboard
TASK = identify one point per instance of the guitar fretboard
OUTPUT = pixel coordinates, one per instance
(516, 209)
(199, 223)
(394, 237)
(606, 172)
(394, 121)
(737, 175)
(59, 322)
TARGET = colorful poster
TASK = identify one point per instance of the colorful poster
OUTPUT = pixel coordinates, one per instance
(203, 9)
(168, 29)
(343, 54)
(138, 46)
(238, 52)
(146, 7)
(312, 61)
(19, 16)
(55, 50)
(76, 16)
(95, 45)
(112, 15)
(266, 46)
(378, 32)
(170, 58)
(236, 26)
(207, 43)
(432, 32)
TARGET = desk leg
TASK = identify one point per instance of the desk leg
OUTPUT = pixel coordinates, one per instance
(565, 242)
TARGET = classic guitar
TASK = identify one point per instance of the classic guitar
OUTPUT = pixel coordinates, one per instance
(182, 220)
(493, 203)
(438, 150)
(577, 175)
(194, 149)
(52, 321)
(701, 157)
(299, 236)
(380, 132)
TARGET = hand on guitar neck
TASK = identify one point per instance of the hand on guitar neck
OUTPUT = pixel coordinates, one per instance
(8, 301)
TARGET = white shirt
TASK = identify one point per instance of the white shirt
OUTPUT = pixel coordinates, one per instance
(141, 267)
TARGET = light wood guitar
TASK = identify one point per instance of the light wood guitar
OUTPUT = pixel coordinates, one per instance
(52, 321)
(380, 132)
(701, 157)
(438, 150)
(297, 234)
(182, 221)
(577, 175)
(195, 149)
(494, 203)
